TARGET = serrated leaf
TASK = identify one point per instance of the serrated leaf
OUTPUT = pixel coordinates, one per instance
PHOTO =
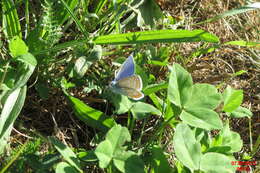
(232, 99)
(179, 87)
(201, 117)
(186, 148)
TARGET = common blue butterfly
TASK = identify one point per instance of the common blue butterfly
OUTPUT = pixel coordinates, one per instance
(126, 82)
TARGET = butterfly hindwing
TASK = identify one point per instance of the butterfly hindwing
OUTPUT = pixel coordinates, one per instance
(134, 82)
(133, 93)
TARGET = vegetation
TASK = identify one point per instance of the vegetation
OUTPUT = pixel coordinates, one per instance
(198, 62)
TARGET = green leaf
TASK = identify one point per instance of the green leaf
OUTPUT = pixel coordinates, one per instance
(180, 83)
(186, 148)
(231, 139)
(84, 62)
(87, 156)
(157, 36)
(64, 167)
(140, 109)
(240, 112)
(17, 47)
(159, 161)
(121, 103)
(115, 138)
(243, 43)
(204, 96)
(25, 69)
(215, 163)
(148, 13)
(155, 87)
(66, 152)
(128, 162)
(11, 109)
(92, 117)
(232, 99)
(11, 24)
(201, 117)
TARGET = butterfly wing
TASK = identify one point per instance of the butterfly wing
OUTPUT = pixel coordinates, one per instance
(133, 93)
(132, 82)
(127, 69)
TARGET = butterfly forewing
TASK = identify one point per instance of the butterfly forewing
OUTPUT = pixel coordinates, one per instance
(127, 69)
(134, 82)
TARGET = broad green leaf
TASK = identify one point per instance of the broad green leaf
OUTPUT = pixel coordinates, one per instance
(232, 99)
(11, 25)
(84, 62)
(232, 12)
(64, 167)
(157, 36)
(240, 112)
(159, 161)
(92, 117)
(243, 43)
(155, 87)
(201, 117)
(186, 148)
(128, 162)
(11, 109)
(121, 103)
(179, 87)
(140, 110)
(104, 153)
(231, 139)
(67, 153)
(148, 13)
(17, 47)
(26, 66)
(216, 163)
(113, 144)
(87, 156)
(204, 96)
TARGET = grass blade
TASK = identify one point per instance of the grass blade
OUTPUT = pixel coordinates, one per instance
(157, 36)
(11, 24)
(243, 9)
(12, 108)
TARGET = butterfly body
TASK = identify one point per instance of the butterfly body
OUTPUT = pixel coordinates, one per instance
(126, 82)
